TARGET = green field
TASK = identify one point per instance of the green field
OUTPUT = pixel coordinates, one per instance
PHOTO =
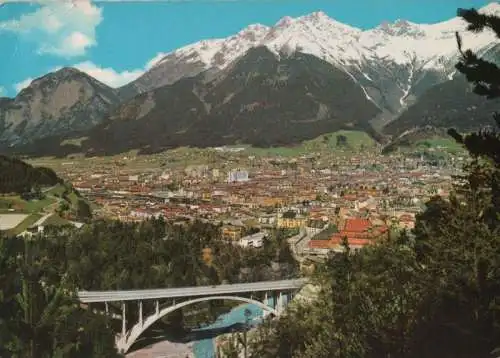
(356, 141)
(22, 206)
(440, 143)
(36, 208)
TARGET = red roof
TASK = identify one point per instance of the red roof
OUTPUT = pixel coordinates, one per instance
(357, 225)
(359, 232)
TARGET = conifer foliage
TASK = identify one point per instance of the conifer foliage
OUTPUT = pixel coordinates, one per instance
(485, 76)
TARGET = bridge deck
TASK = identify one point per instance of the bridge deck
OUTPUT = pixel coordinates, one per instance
(135, 295)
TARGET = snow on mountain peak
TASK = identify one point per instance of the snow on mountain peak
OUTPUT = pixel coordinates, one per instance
(403, 53)
(491, 9)
(284, 22)
(323, 22)
(401, 28)
(403, 43)
(316, 16)
(253, 32)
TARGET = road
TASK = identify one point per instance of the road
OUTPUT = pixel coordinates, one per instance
(134, 295)
(298, 244)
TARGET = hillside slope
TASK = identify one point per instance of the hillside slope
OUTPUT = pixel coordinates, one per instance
(19, 177)
(30, 195)
(450, 104)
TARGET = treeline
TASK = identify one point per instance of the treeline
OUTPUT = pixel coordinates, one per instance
(39, 315)
(19, 177)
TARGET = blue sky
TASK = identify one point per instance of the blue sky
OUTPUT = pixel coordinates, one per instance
(115, 40)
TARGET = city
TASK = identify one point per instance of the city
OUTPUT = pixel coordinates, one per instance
(246, 192)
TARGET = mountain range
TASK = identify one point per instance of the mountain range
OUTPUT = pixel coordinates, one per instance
(264, 86)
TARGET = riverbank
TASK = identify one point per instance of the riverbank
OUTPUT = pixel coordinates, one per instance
(227, 323)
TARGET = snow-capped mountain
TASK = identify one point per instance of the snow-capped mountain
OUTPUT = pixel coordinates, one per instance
(393, 63)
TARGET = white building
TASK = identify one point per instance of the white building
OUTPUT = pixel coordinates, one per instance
(237, 176)
(255, 240)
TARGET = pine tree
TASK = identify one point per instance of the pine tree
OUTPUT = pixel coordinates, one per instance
(485, 77)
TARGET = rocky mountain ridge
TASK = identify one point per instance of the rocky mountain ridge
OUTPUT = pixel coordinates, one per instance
(61, 102)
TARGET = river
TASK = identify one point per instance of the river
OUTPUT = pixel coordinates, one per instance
(204, 345)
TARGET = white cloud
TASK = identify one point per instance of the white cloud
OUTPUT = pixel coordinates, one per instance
(75, 43)
(23, 84)
(113, 78)
(64, 28)
(108, 75)
(3, 91)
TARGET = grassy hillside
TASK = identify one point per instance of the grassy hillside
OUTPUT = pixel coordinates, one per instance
(35, 192)
(440, 143)
(61, 201)
(427, 138)
(355, 141)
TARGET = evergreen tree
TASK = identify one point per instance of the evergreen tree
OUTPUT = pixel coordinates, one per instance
(485, 77)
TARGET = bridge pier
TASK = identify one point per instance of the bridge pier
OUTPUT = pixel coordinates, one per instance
(266, 299)
(279, 304)
(140, 313)
(124, 320)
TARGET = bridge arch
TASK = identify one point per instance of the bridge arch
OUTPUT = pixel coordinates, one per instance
(125, 342)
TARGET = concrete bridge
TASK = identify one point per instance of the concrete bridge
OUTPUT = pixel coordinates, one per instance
(257, 293)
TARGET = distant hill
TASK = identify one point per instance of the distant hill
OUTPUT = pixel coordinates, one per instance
(61, 102)
(340, 141)
(19, 177)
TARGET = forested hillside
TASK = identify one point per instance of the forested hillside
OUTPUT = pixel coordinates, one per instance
(19, 177)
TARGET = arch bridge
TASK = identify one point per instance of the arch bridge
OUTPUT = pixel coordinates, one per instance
(268, 295)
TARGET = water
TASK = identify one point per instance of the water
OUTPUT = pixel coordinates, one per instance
(206, 348)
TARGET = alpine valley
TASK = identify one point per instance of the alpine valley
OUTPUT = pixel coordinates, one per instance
(264, 86)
